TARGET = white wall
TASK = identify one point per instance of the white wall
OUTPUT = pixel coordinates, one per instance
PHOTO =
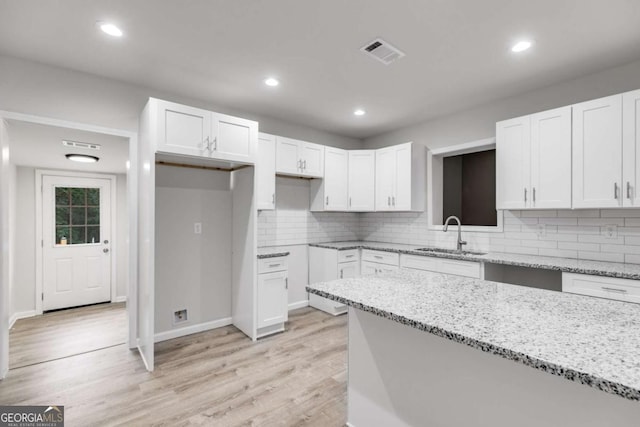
(4, 249)
(193, 271)
(24, 261)
(39, 89)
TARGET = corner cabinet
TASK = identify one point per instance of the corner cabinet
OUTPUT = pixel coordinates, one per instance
(400, 183)
(190, 131)
(299, 158)
(266, 172)
(533, 163)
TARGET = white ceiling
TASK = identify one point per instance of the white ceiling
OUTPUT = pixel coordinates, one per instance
(40, 146)
(220, 51)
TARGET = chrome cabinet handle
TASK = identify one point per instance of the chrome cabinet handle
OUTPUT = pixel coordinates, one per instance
(305, 165)
(105, 250)
(215, 143)
(393, 200)
(327, 203)
(525, 195)
(377, 256)
(286, 283)
(615, 190)
(349, 201)
(273, 198)
(534, 194)
(206, 145)
(349, 256)
(274, 265)
(628, 190)
(389, 201)
(620, 291)
(341, 273)
(300, 164)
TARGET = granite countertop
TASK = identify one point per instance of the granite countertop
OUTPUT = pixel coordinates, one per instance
(270, 252)
(588, 340)
(570, 265)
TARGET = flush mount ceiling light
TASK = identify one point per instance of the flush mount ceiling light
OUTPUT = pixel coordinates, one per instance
(521, 46)
(359, 112)
(109, 28)
(82, 158)
(271, 82)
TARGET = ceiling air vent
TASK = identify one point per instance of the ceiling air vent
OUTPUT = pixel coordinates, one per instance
(77, 144)
(383, 51)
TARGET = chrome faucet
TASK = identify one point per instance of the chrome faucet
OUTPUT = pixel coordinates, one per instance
(446, 226)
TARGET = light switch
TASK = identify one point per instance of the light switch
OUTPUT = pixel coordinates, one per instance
(197, 227)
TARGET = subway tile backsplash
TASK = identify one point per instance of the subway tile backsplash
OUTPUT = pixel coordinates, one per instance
(603, 235)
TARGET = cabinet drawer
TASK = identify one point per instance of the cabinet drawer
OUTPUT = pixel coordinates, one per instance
(460, 268)
(419, 262)
(270, 265)
(603, 287)
(381, 257)
(348, 255)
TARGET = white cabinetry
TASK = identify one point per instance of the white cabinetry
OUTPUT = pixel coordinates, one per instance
(331, 264)
(272, 295)
(534, 161)
(331, 192)
(631, 148)
(400, 178)
(190, 131)
(378, 262)
(299, 158)
(442, 265)
(602, 287)
(597, 153)
(266, 172)
(361, 181)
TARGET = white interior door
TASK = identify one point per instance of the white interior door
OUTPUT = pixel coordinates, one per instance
(76, 241)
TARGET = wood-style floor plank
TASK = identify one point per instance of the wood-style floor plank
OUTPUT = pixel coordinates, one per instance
(215, 378)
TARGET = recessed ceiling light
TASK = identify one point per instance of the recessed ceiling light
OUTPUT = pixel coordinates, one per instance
(521, 46)
(359, 112)
(82, 158)
(109, 28)
(271, 82)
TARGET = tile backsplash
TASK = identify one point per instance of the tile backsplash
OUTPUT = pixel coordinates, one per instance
(604, 235)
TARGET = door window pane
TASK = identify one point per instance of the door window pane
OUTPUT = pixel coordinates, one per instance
(77, 219)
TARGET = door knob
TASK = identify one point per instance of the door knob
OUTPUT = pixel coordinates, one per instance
(105, 250)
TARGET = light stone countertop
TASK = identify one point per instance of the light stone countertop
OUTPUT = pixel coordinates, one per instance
(589, 340)
(570, 265)
(271, 252)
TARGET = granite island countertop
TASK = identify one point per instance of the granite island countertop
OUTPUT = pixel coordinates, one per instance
(569, 265)
(589, 340)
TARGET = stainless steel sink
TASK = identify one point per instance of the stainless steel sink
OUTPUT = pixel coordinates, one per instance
(449, 251)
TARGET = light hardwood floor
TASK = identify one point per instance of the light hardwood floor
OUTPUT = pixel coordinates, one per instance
(215, 378)
(66, 333)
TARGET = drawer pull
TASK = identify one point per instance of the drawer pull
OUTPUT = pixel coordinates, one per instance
(378, 256)
(620, 291)
(274, 265)
(349, 256)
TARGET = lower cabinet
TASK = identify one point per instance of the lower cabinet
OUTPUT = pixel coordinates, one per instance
(442, 265)
(373, 268)
(273, 284)
(331, 264)
(603, 287)
(379, 262)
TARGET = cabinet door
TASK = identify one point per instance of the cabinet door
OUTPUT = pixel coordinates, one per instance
(272, 299)
(597, 153)
(266, 172)
(287, 156)
(312, 156)
(512, 163)
(183, 130)
(369, 268)
(631, 147)
(401, 198)
(361, 182)
(234, 138)
(348, 270)
(551, 159)
(385, 178)
(335, 179)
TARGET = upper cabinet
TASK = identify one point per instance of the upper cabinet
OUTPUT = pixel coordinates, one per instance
(361, 181)
(331, 192)
(533, 163)
(631, 148)
(400, 172)
(597, 153)
(190, 131)
(266, 172)
(299, 158)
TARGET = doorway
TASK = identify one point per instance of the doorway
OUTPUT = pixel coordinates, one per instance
(76, 216)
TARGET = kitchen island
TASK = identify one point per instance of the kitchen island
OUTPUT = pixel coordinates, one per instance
(442, 350)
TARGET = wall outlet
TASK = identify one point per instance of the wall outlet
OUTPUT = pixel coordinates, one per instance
(197, 228)
(610, 231)
(180, 316)
(541, 230)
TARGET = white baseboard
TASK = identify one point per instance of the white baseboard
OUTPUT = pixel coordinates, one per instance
(20, 315)
(119, 299)
(193, 329)
(298, 304)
